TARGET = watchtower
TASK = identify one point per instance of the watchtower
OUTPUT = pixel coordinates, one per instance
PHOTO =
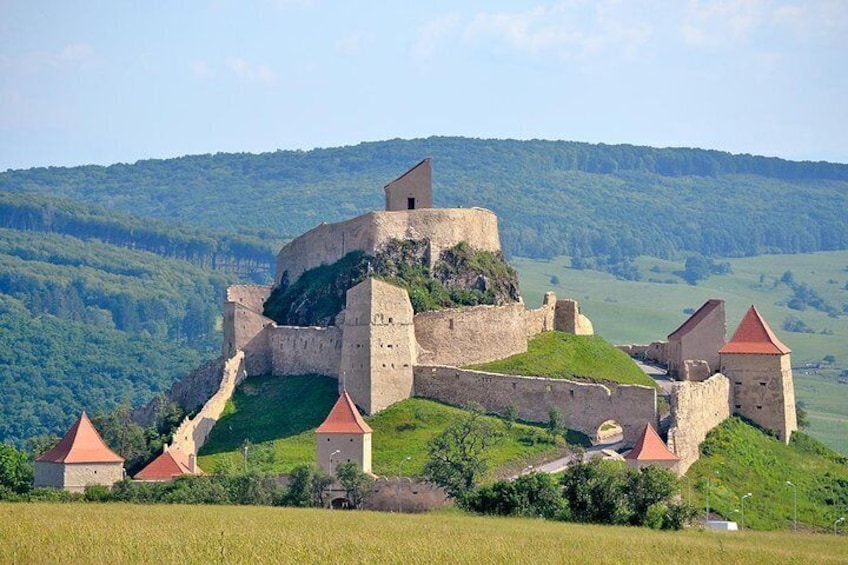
(759, 368)
(412, 190)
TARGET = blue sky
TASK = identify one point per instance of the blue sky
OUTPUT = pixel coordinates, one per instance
(106, 82)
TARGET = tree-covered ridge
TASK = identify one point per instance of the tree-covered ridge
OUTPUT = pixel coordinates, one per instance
(238, 253)
(607, 202)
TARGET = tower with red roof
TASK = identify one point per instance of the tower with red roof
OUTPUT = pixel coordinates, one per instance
(344, 437)
(760, 371)
(81, 458)
(650, 450)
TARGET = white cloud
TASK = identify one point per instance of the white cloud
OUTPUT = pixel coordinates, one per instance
(202, 69)
(233, 67)
(719, 22)
(432, 36)
(571, 30)
(74, 56)
(353, 42)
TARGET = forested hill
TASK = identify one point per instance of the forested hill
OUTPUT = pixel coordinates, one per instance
(610, 202)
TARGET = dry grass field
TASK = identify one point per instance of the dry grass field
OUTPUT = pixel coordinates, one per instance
(117, 533)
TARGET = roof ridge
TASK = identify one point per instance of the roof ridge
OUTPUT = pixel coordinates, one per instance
(754, 336)
(650, 447)
(81, 444)
(344, 418)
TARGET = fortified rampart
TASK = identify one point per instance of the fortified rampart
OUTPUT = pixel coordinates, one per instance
(654, 352)
(251, 296)
(402, 494)
(696, 408)
(442, 227)
(477, 334)
(305, 350)
(542, 318)
(582, 406)
(191, 434)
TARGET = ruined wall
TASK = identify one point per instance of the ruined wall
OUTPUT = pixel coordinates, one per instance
(655, 352)
(402, 494)
(415, 184)
(476, 334)
(763, 390)
(583, 406)
(378, 345)
(696, 408)
(541, 319)
(443, 227)
(302, 350)
(250, 296)
(568, 319)
(245, 330)
(191, 434)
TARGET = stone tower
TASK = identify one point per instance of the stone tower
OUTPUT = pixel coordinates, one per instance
(344, 437)
(379, 347)
(411, 191)
(760, 372)
(700, 337)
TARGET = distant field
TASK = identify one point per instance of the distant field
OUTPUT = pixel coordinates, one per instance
(278, 417)
(640, 312)
(124, 533)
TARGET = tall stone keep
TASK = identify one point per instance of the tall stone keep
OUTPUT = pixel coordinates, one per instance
(760, 372)
(378, 345)
(411, 191)
(698, 338)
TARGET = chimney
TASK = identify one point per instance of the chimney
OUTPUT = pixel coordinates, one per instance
(192, 463)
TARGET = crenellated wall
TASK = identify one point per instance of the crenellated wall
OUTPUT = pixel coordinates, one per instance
(696, 408)
(442, 227)
(302, 350)
(477, 334)
(583, 406)
(191, 434)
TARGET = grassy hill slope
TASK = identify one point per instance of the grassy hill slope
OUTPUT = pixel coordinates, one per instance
(278, 416)
(86, 533)
(739, 458)
(559, 355)
(642, 311)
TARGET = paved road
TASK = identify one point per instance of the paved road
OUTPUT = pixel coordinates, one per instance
(658, 374)
(559, 464)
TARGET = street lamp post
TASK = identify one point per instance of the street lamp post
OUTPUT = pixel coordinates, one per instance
(742, 501)
(333, 454)
(400, 474)
(836, 524)
(795, 506)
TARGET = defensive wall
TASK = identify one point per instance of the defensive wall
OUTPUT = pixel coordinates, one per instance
(442, 227)
(304, 350)
(582, 406)
(477, 334)
(251, 296)
(402, 494)
(188, 393)
(696, 408)
(192, 433)
(542, 318)
(654, 352)
(74, 477)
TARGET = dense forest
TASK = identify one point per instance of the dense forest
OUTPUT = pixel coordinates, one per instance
(604, 202)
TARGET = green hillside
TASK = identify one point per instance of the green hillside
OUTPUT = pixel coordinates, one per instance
(278, 416)
(167, 533)
(553, 198)
(559, 355)
(643, 311)
(738, 458)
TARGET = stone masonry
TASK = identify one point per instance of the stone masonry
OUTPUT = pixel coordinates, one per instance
(696, 408)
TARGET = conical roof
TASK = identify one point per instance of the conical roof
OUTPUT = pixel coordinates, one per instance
(650, 447)
(344, 418)
(754, 336)
(169, 464)
(82, 444)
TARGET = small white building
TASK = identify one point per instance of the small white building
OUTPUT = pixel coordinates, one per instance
(80, 459)
(344, 437)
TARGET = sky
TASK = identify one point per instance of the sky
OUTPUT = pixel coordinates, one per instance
(106, 82)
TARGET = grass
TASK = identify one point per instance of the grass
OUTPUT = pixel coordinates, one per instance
(278, 416)
(558, 355)
(641, 312)
(739, 458)
(123, 533)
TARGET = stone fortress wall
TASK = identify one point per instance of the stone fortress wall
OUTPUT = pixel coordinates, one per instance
(442, 227)
(395, 494)
(696, 408)
(582, 406)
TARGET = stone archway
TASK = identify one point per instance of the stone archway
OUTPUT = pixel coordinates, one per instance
(609, 431)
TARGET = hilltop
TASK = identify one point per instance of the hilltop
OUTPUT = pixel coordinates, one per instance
(608, 202)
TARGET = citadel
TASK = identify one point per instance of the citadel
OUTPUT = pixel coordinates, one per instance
(381, 351)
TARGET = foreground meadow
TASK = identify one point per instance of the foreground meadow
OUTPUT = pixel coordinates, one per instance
(117, 533)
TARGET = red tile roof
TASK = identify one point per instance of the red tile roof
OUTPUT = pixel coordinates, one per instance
(344, 418)
(649, 447)
(754, 336)
(82, 444)
(171, 463)
(708, 307)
